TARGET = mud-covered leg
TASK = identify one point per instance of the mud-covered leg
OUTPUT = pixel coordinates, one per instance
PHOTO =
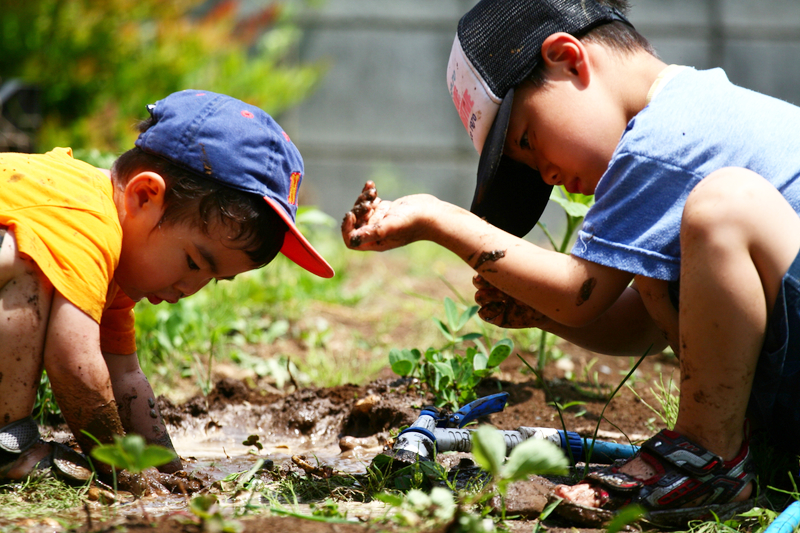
(25, 297)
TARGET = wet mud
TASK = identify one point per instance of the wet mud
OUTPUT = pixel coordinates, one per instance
(320, 432)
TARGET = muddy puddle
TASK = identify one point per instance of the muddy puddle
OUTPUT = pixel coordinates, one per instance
(228, 431)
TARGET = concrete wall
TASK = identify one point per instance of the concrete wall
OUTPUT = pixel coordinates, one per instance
(383, 111)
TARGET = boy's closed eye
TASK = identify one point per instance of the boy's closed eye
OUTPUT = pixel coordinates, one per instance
(191, 263)
(523, 141)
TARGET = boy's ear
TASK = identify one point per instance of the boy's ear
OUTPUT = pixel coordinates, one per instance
(144, 195)
(565, 54)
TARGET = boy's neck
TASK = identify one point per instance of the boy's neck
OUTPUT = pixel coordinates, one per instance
(633, 76)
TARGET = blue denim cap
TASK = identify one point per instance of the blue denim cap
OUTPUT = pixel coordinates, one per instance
(239, 146)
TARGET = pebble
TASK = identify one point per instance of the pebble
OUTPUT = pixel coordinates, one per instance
(96, 494)
(365, 405)
(525, 498)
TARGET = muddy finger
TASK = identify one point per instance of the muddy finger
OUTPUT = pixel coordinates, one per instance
(479, 283)
(492, 311)
(487, 296)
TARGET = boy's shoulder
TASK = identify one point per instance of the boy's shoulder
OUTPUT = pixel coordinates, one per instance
(697, 116)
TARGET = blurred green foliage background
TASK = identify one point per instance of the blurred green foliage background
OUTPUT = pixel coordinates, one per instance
(98, 63)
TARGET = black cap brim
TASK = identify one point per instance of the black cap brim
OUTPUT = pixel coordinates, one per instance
(509, 195)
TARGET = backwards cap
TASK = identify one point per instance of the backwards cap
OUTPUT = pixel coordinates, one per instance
(498, 44)
(239, 146)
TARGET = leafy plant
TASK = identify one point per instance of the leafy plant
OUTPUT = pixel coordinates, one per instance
(207, 509)
(131, 453)
(575, 207)
(126, 54)
(450, 375)
(533, 456)
(45, 406)
(668, 395)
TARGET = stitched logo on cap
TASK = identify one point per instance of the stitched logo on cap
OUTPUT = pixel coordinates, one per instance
(285, 136)
(294, 183)
(247, 114)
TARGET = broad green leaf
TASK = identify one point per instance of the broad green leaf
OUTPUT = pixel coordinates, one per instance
(573, 209)
(110, 455)
(156, 456)
(445, 370)
(479, 361)
(500, 352)
(489, 449)
(432, 355)
(535, 456)
(402, 367)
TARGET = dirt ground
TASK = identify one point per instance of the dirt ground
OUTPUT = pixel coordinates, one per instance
(322, 422)
(326, 415)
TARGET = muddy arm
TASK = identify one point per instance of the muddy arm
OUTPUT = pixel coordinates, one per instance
(137, 406)
(625, 329)
(78, 375)
(567, 289)
(82, 386)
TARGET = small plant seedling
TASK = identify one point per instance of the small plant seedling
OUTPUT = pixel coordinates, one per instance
(449, 373)
(132, 454)
(533, 456)
(253, 440)
(206, 508)
(575, 207)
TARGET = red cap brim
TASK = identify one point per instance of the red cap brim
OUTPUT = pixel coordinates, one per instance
(298, 249)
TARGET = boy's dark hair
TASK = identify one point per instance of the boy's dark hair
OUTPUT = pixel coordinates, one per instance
(617, 36)
(201, 202)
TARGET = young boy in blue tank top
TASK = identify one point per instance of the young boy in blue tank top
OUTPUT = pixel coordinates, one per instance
(692, 241)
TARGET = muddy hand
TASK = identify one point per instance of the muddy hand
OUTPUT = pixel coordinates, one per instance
(374, 224)
(180, 481)
(145, 484)
(359, 215)
(502, 310)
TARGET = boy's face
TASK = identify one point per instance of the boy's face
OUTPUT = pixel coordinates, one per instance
(171, 262)
(566, 131)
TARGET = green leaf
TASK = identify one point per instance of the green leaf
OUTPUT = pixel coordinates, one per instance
(535, 456)
(470, 337)
(573, 209)
(130, 453)
(626, 515)
(443, 328)
(432, 355)
(402, 362)
(402, 367)
(451, 312)
(500, 352)
(479, 362)
(465, 316)
(389, 499)
(156, 456)
(110, 455)
(489, 449)
(445, 370)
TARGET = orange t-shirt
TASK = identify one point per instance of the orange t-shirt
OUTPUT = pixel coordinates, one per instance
(63, 215)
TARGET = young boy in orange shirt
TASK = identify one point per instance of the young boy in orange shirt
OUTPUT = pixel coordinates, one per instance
(692, 241)
(208, 192)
